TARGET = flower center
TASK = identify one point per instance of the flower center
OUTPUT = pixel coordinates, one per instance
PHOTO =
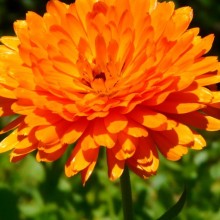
(98, 82)
(101, 80)
(100, 75)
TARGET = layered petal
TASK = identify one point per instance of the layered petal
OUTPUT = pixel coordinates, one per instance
(98, 74)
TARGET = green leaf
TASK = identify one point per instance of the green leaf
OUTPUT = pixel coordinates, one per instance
(176, 209)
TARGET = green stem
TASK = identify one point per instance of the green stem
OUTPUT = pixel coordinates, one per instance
(126, 195)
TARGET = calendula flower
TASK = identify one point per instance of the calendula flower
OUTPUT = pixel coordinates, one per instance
(124, 75)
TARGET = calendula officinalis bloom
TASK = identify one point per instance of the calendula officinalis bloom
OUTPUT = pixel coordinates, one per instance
(125, 75)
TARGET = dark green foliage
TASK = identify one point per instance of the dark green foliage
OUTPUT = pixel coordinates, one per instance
(175, 210)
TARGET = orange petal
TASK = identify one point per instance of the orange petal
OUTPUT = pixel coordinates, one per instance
(5, 108)
(199, 141)
(101, 136)
(79, 160)
(115, 167)
(82, 8)
(142, 171)
(16, 157)
(74, 131)
(212, 111)
(10, 42)
(47, 134)
(168, 148)
(135, 129)
(179, 23)
(41, 117)
(176, 152)
(18, 154)
(199, 120)
(86, 173)
(149, 118)
(145, 152)
(9, 142)
(161, 16)
(12, 125)
(179, 135)
(193, 93)
(101, 51)
(49, 153)
(24, 146)
(145, 161)
(125, 146)
(74, 24)
(208, 79)
(178, 107)
(204, 65)
(57, 8)
(87, 141)
(115, 122)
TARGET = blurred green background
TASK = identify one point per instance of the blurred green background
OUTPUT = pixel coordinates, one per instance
(36, 191)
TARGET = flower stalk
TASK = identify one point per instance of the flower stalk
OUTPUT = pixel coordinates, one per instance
(126, 195)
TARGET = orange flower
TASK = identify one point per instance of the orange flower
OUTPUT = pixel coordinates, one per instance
(122, 74)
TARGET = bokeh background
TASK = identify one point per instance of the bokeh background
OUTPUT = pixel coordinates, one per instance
(36, 191)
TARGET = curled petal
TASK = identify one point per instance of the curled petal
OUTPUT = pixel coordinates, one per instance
(145, 161)
(125, 146)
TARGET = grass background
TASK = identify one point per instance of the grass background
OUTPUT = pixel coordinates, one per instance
(36, 191)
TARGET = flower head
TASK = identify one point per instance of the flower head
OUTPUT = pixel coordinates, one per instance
(120, 74)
